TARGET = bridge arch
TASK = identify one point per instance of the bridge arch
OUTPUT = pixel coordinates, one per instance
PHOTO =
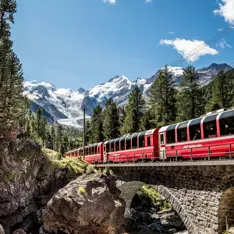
(129, 190)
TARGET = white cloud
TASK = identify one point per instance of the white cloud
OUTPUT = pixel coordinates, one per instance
(223, 44)
(226, 10)
(171, 32)
(184, 47)
(114, 1)
(110, 1)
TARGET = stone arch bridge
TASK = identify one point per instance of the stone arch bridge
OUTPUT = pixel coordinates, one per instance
(202, 193)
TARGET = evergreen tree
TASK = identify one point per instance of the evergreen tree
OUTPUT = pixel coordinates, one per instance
(110, 120)
(190, 101)
(162, 99)
(52, 134)
(12, 102)
(43, 130)
(122, 115)
(134, 112)
(66, 144)
(59, 137)
(145, 121)
(38, 121)
(88, 134)
(96, 125)
(222, 92)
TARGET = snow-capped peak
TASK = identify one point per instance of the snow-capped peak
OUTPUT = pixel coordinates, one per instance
(65, 105)
(35, 83)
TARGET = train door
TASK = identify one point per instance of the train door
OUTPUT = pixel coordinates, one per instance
(162, 150)
(106, 151)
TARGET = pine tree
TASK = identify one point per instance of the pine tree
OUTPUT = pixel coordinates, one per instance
(222, 92)
(88, 133)
(12, 102)
(59, 137)
(52, 134)
(162, 99)
(43, 130)
(122, 115)
(96, 125)
(145, 121)
(110, 120)
(190, 101)
(38, 121)
(134, 112)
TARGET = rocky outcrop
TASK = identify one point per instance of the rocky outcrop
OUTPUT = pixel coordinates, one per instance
(28, 179)
(19, 167)
(89, 204)
(1, 230)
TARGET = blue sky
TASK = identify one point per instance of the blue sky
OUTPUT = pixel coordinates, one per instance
(82, 43)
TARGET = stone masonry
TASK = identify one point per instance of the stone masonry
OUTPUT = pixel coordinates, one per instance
(203, 196)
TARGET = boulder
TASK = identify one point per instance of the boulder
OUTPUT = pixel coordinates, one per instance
(1, 230)
(231, 230)
(19, 231)
(89, 204)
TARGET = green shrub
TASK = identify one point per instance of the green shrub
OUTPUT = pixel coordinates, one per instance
(82, 191)
(74, 165)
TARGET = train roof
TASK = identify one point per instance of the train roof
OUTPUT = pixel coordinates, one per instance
(222, 113)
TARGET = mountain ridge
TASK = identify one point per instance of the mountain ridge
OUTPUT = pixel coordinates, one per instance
(66, 105)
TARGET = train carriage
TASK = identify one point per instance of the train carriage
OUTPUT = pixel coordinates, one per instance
(93, 153)
(135, 147)
(208, 137)
(72, 153)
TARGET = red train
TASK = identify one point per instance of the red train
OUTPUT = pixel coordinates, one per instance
(207, 137)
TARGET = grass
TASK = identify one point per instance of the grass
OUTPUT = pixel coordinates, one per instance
(74, 165)
(155, 197)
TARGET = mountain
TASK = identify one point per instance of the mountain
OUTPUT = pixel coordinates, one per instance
(66, 105)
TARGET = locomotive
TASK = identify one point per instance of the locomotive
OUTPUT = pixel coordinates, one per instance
(207, 137)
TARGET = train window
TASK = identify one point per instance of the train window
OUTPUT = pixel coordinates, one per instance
(128, 143)
(141, 141)
(80, 152)
(170, 134)
(97, 149)
(148, 141)
(134, 142)
(112, 145)
(86, 151)
(107, 147)
(117, 145)
(182, 132)
(195, 129)
(226, 123)
(122, 144)
(162, 139)
(209, 125)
